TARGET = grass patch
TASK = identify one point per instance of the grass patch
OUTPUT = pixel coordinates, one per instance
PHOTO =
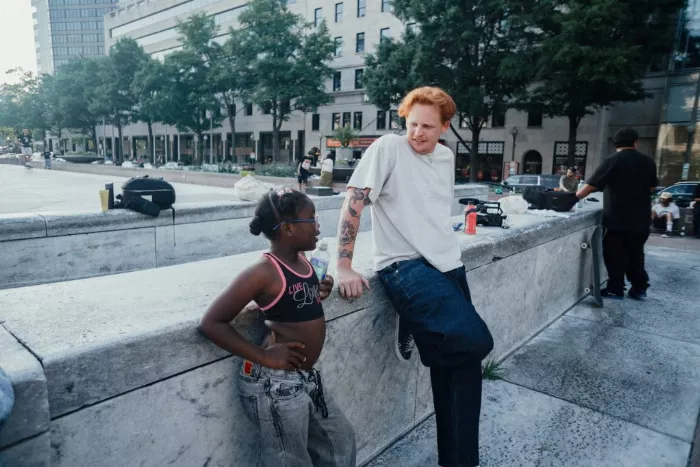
(491, 370)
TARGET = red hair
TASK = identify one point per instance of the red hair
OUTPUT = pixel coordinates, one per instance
(428, 95)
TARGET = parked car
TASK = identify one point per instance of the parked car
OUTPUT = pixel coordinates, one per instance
(520, 182)
(682, 193)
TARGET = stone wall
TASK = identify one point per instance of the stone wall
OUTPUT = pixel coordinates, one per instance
(110, 371)
(42, 248)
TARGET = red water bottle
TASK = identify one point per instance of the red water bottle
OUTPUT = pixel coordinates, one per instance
(470, 220)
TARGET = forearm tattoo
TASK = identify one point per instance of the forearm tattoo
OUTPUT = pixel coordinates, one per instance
(343, 253)
(348, 233)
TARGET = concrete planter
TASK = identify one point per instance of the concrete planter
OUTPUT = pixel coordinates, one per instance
(343, 154)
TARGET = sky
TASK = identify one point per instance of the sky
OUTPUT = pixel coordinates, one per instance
(16, 37)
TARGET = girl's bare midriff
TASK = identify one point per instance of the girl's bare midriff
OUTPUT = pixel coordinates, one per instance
(310, 333)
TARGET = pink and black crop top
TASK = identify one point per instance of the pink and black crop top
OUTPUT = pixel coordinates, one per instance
(299, 298)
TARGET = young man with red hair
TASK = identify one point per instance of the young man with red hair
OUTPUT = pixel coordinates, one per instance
(408, 180)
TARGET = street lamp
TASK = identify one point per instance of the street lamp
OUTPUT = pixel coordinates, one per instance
(206, 138)
(513, 132)
(165, 149)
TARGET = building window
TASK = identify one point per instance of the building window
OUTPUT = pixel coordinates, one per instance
(360, 43)
(335, 121)
(338, 12)
(358, 78)
(249, 110)
(315, 122)
(463, 122)
(384, 34)
(317, 16)
(336, 81)
(387, 7)
(498, 118)
(346, 118)
(357, 121)
(395, 121)
(361, 8)
(338, 41)
(381, 120)
(534, 118)
(265, 110)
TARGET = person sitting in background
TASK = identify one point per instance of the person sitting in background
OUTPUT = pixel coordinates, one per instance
(664, 212)
(569, 182)
(327, 170)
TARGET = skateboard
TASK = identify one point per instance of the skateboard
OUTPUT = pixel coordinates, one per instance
(595, 246)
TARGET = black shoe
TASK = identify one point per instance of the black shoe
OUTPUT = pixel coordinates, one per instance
(404, 340)
(637, 294)
(614, 295)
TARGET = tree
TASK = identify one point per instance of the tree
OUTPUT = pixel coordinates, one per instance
(149, 89)
(345, 135)
(114, 97)
(593, 53)
(191, 95)
(475, 50)
(20, 106)
(50, 97)
(287, 59)
(78, 82)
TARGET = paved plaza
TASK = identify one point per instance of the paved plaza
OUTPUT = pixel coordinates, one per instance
(40, 190)
(618, 386)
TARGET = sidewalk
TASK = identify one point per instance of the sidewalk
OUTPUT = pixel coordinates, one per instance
(618, 386)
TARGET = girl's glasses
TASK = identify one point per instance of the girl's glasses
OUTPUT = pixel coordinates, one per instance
(298, 221)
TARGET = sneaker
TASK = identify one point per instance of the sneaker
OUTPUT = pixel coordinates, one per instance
(404, 340)
(665, 235)
(637, 294)
(614, 295)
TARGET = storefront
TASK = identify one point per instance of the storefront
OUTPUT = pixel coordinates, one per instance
(560, 163)
(489, 167)
(358, 145)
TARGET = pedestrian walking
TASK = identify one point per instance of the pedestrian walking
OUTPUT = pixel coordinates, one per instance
(627, 179)
(408, 180)
(48, 155)
(25, 141)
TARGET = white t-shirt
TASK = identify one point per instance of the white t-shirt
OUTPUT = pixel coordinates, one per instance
(327, 165)
(412, 198)
(661, 210)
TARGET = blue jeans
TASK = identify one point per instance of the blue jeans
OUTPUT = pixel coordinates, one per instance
(452, 339)
(298, 425)
(7, 398)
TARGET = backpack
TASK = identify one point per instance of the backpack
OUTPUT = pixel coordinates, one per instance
(539, 197)
(155, 190)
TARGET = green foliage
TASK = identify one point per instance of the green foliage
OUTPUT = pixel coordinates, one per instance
(287, 62)
(275, 170)
(593, 53)
(491, 370)
(475, 50)
(345, 135)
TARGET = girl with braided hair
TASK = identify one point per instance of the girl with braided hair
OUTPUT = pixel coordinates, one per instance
(281, 392)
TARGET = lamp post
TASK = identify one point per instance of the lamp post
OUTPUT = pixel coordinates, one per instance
(165, 149)
(514, 133)
(206, 137)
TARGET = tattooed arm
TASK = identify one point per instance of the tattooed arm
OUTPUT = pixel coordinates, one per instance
(350, 283)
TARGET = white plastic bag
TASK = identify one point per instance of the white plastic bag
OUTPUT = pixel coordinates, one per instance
(514, 204)
(249, 188)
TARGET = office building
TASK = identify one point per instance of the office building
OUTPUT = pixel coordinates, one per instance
(64, 29)
(535, 143)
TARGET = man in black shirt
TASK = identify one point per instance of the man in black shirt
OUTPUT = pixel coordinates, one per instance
(627, 179)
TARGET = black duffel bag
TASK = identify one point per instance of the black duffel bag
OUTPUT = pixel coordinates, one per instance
(539, 197)
(155, 190)
(147, 196)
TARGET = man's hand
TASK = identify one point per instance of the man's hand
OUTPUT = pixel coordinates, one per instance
(326, 286)
(350, 283)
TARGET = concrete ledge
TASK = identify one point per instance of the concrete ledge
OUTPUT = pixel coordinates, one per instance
(38, 248)
(31, 414)
(129, 380)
